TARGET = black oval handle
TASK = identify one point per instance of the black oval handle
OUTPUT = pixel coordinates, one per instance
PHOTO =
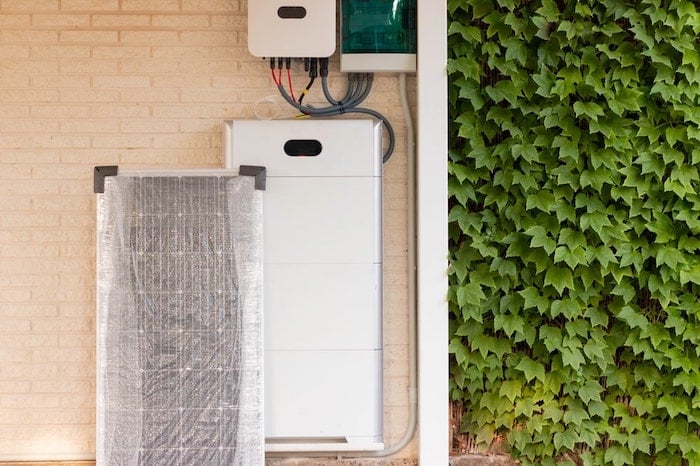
(303, 147)
(291, 12)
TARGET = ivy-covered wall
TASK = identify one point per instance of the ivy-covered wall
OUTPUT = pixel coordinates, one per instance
(574, 228)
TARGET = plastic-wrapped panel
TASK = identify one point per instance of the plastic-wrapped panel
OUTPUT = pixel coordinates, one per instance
(179, 321)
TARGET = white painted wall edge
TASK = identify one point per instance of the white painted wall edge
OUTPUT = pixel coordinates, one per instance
(433, 370)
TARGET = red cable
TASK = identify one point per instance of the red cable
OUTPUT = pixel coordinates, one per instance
(274, 78)
(289, 79)
(279, 77)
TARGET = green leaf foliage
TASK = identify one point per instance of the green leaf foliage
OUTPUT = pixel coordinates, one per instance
(575, 228)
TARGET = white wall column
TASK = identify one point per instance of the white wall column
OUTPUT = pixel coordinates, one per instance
(433, 412)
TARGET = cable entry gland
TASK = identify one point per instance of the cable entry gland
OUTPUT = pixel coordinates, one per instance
(322, 286)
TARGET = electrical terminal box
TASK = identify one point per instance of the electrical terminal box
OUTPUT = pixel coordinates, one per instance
(378, 36)
(285, 28)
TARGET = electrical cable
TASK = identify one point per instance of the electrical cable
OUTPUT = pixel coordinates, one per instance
(341, 110)
(289, 80)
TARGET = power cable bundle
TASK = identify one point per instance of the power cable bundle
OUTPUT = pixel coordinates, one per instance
(359, 87)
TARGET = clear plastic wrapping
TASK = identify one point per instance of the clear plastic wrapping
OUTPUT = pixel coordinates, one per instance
(179, 330)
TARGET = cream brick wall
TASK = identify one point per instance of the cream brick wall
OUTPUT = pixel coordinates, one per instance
(134, 83)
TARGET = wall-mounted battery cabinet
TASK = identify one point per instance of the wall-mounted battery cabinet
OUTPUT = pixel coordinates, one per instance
(378, 35)
(322, 285)
(298, 28)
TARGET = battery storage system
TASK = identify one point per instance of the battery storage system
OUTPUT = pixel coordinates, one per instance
(322, 282)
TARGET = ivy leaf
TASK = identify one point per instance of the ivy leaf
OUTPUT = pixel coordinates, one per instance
(459, 350)
(551, 337)
(534, 299)
(618, 455)
(590, 391)
(691, 274)
(511, 389)
(633, 318)
(572, 357)
(589, 109)
(549, 11)
(471, 293)
(540, 239)
(674, 405)
(509, 323)
(567, 439)
(531, 369)
(575, 414)
(560, 278)
(642, 405)
(470, 34)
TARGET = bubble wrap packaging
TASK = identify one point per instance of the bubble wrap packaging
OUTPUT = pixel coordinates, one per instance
(179, 321)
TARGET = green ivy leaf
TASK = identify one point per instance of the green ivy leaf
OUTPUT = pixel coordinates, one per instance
(560, 278)
(531, 369)
(619, 455)
(674, 405)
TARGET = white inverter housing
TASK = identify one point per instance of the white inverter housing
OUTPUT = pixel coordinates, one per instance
(322, 285)
(298, 28)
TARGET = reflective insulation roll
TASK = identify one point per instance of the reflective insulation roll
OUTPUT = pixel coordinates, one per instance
(179, 321)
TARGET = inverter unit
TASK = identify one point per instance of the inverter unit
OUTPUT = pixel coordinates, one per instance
(322, 285)
(284, 28)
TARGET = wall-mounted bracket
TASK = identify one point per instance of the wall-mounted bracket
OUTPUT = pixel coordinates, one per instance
(260, 174)
(100, 174)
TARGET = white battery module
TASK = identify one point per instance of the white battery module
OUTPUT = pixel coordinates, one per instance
(322, 285)
(299, 28)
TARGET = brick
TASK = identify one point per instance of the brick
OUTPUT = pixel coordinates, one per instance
(14, 386)
(180, 51)
(205, 95)
(28, 36)
(120, 82)
(210, 5)
(123, 140)
(149, 95)
(148, 37)
(89, 126)
(30, 5)
(120, 111)
(60, 20)
(151, 5)
(78, 340)
(89, 5)
(14, 51)
(28, 250)
(66, 327)
(28, 220)
(63, 385)
(121, 20)
(149, 126)
(60, 111)
(211, 38)
(88, 66)
(63, 140)
(232, 22)
(121, 51)
(29, 341)
(90, 37)
(27, 125)
(14, 20)
(61, 173)
(181, 21)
